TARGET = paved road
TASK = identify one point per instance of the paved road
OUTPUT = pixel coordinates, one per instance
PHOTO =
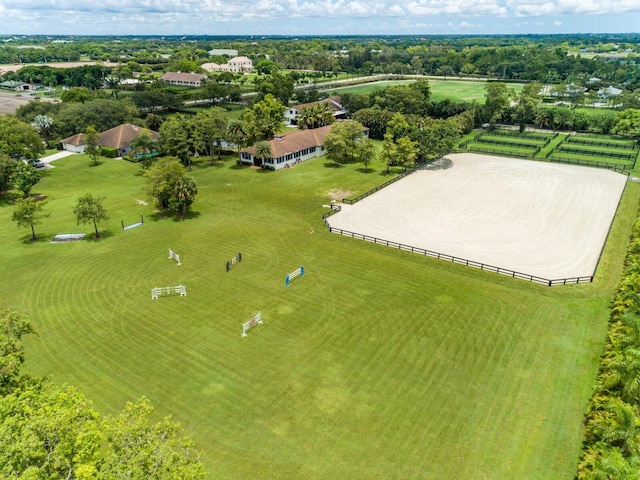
(50, 158)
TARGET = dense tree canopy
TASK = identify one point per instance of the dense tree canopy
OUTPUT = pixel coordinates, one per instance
(53, 432)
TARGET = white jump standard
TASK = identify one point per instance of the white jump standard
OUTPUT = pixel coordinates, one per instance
(251, 323)
(174, 290)
(175, 256)
(299, 272)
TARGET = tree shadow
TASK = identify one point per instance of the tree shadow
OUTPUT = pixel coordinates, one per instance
(96, 164)
(190, 215)
(104, 234)
(366, 170)
(239, 166)
(40, 238)
(332, 165)
(9, 198)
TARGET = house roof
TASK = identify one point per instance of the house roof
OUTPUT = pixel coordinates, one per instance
(211, 66)
(76, 140)
(13, 84)
(183, 77)
(609, 91)
(122, 135)
(294, 141)
(240, 60)
(333, 102)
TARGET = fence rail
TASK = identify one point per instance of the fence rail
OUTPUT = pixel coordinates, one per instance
(518, 144)
(515, 133)
(609, 166)
(504, 153)
(595, 153)
(351, 201)
(461, 261)
(598, 143)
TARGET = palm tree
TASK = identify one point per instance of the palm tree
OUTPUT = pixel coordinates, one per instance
(621, 373)
(184, 194)
(263, 152)
(143, 144)
(236, 134)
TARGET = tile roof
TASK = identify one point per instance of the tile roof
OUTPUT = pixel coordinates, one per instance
(333, 102)
(122, 135)
(183, 77)
(76, 140)
(295, 140)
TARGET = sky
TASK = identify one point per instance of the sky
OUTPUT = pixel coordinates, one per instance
(317, 17)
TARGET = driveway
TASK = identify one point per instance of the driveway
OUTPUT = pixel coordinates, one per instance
(50, 158)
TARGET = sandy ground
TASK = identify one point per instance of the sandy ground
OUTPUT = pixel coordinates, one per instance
(541, 219)
(10, 101)
(15, 67)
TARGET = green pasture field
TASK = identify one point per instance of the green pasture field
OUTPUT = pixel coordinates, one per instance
(504, 150)
(454, 90)
(604, 139)
(516, 141)
(377, 364)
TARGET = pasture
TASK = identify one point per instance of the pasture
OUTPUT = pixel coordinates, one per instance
(454, 90)
(377, 364)
(604, 151)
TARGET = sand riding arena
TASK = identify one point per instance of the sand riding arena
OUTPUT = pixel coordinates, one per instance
(539, 221)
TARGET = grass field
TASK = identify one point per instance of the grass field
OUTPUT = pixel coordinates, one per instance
(454, 90)
(377, 364)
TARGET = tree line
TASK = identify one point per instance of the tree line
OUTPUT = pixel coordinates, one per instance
(51, 431)
(611, 449)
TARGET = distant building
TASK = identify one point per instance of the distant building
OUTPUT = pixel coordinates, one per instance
(234, 65)
(223, 51)
(291, 113)
(18, 86)
(609, 92)
(119, 137)
(184, 79)
(290, 148)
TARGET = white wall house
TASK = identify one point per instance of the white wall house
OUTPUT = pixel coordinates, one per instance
(184, 79)
(235, 65)
(75, 143)
(290, 148)
(223, 51)
(291, 113)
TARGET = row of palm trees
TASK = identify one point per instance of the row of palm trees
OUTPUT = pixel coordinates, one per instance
(612, 442)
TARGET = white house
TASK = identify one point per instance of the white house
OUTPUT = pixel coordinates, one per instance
(235, 65)
(290, 148)
(119, 137)
(75, 143)
(184, 79)
(223, 51)
(609, 92)
(291, 113)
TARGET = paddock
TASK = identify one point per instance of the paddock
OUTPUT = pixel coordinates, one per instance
(536, 218)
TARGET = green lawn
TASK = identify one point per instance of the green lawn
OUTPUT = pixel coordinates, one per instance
(377, 364)
(454, 90)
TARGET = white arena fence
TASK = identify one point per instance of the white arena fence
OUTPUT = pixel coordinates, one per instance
(173, 290)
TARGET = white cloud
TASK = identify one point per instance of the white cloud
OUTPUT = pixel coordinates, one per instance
(557, 23)
(257, 16)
